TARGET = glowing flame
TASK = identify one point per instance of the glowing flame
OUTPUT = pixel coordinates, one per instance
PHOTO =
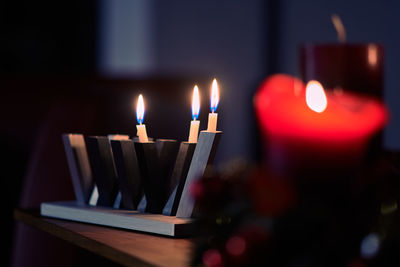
(315, 96)
(214, 96)
(140, 109)
(195, 103)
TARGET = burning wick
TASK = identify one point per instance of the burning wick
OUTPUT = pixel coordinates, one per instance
(341, 31)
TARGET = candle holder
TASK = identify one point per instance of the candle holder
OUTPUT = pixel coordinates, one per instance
(127, 168)
(178, 177)
(158, 168)
(203, 156)
(103, 169)
(79, 167)
(155, 166)
(167, 150)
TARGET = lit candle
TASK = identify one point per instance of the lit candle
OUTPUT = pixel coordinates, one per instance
(194, 124)
(141, 128)
(304, 125)
(352, 67)
(213, 117)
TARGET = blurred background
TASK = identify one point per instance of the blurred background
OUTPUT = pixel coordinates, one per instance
(78, 66)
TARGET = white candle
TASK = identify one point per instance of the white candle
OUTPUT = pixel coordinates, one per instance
(195, 124)
(194, 131)
(212, 122)
(141, 133)
(213, 117)
(141, 128)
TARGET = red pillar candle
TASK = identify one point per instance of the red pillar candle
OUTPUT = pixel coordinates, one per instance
(352, 67)
(300, 138)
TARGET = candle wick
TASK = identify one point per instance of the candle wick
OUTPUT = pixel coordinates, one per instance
(338, 24)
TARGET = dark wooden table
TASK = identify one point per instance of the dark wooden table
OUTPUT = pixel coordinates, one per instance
(124, 247)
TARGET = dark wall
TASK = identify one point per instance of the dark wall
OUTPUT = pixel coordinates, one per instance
(199, 40)
(222, 39)
(47, 37)
(38, 40)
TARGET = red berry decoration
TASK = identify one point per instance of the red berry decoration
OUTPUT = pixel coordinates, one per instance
(212, 258)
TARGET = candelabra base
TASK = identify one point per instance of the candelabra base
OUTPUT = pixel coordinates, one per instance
(125, 219)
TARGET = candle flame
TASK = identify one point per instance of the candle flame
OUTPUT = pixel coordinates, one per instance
(140, 109)
(195, 103)
(340, 29)
(214, 96)
(315, 96)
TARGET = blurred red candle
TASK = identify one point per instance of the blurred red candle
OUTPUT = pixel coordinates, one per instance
(308, 128)
(352, 67)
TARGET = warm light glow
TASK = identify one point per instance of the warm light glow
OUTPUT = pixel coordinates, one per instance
(315, 96)
(214, 96)
(140, 109)
(195, 103)
(372, 55)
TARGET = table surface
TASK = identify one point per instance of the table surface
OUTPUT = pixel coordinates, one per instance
(128, 248)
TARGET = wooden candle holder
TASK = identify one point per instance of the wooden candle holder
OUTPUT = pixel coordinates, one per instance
(127, 167)
(167, 150)
(203, 156)
(178, 177)
(79, 166)
(155, 163)
(103, 169)
(152, 178)
(149, 170)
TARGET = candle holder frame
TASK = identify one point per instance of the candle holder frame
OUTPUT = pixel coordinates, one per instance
(127, 167)
(190, 163)
(103, 170)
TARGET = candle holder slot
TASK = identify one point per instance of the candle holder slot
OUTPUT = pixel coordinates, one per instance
(203, 156)
(127, 167)
(167, 150)
(155, 164)
(103, 169)
(178, 177)
(79, 166)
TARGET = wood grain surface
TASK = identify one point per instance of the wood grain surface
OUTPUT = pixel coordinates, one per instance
(128, 248)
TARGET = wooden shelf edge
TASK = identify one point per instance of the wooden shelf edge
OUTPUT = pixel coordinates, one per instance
(45, 225)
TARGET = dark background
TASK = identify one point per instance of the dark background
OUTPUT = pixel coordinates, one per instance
(77, 66)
